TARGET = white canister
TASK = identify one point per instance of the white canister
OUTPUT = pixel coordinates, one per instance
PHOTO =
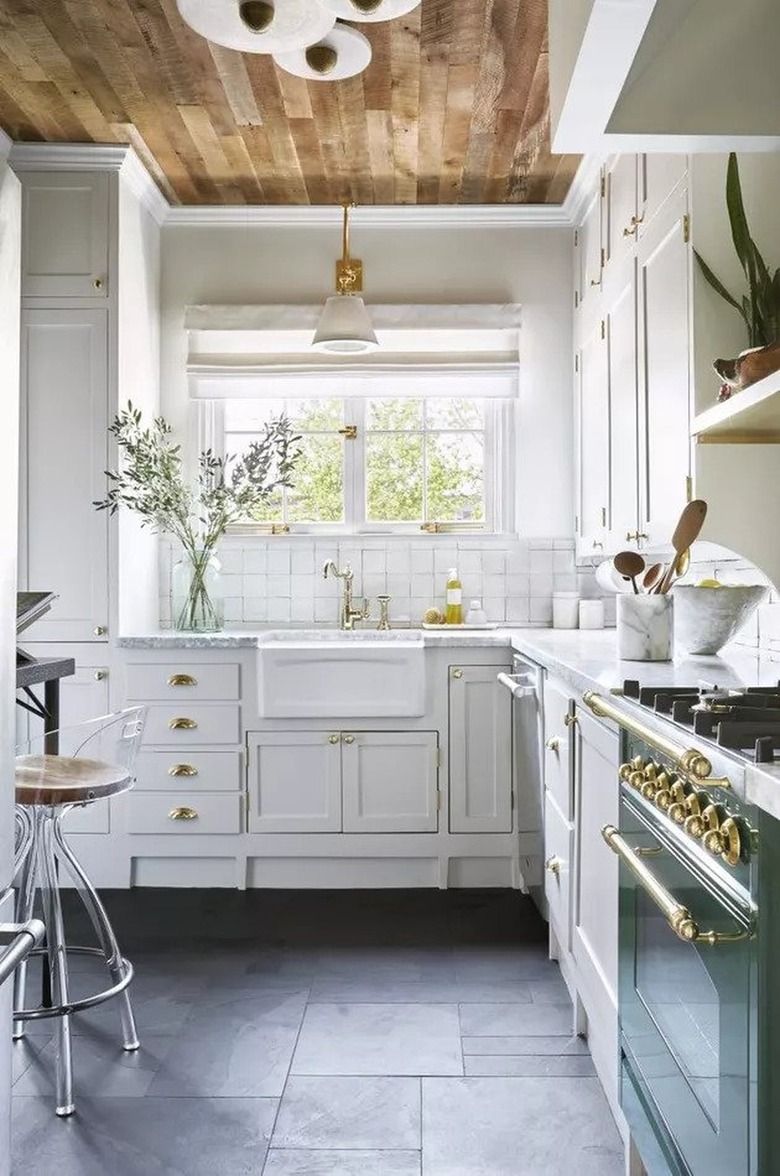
(645, 627)
(566, 610)
(591, 614)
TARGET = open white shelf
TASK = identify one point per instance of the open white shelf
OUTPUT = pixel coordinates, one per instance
(751, 416)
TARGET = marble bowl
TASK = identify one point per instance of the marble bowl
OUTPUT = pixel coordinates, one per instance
(706, 619)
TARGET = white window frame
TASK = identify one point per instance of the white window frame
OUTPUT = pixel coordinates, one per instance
(499, 475)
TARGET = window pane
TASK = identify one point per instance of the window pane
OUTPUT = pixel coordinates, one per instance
(317, 494)
(271, 511)
(443, 413)
(316, 415)
(455, 465)
(249, 416)
(397, 413)
(394, 477)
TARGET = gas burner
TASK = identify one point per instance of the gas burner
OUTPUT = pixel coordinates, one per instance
(716, 702)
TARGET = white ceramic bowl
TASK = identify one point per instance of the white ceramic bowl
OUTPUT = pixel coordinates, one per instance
(706, 619)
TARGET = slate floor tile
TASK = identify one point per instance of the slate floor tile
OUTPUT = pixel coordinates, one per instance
(517, 1127)
(337, 1112)
(142, 1137)
(442, 991)
(528, 1065)
(100, 1067)
(397, 1039)
(496, 1046)
(515, 1020)
(342, 1163)
(550, 992)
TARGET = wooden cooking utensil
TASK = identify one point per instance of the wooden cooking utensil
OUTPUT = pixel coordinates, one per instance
(681, 565)
(630, 565)
(686, 532)
(652, 576)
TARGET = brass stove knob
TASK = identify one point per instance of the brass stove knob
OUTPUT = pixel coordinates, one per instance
(694, 825)
(651, 772)
(676, 809)
(636, 780)
(624, 771)
(713, 842)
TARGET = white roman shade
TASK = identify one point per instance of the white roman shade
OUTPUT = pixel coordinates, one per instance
(433, 350)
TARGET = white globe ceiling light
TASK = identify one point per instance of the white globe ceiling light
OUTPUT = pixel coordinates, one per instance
(258, 26)
(369, 10)
(345, 325)
(342, 53)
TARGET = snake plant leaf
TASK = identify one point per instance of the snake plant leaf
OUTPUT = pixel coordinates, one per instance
(716, 283)
(739, 227)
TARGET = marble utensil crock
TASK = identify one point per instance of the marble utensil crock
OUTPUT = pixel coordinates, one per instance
(645, 627)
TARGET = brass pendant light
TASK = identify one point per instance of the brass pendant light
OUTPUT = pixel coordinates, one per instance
(345, 324)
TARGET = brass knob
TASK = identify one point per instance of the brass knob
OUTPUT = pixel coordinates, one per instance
(635, 536)
(649, 789)
(100, 675)
(181, 724)
(629, 232)
(651, 771)
(598, 544)
(553, 864)
(183, 813)
(694, 825)
(663, 798)
(553, 743)
(570, 720)
(624, 771)
(713, 842)
(636, 780)
(457, 673)
(100, 631)
(676, 812)
(97, 283)
(182, 680)
(182, 770)
(349, 738)
(333, 739)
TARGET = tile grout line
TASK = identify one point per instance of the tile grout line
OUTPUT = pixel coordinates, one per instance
(286, 1080)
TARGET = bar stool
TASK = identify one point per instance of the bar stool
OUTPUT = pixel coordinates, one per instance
(95, 760)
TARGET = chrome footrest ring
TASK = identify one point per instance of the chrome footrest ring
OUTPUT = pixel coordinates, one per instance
(86, 1002)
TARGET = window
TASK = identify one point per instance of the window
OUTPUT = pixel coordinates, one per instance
(379, 464)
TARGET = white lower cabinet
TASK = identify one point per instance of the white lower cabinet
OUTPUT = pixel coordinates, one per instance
(175, 813)
(558, 843)
(480, 750)
(294, 781)
(84, 696)
(390, 781)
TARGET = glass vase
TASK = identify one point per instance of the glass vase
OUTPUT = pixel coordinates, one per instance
(197, 604)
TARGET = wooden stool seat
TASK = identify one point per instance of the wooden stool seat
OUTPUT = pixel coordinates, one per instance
(57, 779)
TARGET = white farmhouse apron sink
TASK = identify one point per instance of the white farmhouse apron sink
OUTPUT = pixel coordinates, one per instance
(337, 675)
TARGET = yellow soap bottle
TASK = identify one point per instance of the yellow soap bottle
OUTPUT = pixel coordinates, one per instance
(453, 614)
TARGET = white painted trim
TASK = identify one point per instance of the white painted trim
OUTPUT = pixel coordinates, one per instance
(6, 144)
(582, 188)
(68, 156)
(134, 173)
(431, 216)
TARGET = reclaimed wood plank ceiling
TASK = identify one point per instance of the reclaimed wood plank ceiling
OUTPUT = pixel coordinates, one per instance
(453, 108)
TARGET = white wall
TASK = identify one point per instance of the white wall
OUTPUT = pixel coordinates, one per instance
(529, 266)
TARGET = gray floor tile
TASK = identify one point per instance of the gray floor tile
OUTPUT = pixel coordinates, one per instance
(514, 1020)
(26, 1051)
(237, 1044)
(528, 1065)
(550, 992)
(336, 1112)
(516, 962)
(518, 1127)
(379, 1039)
(143, 1137)
(442, 991)
(342, 1163)
(100, 1067)
(497, 1046)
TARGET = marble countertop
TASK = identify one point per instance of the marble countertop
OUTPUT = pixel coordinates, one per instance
(252, 639)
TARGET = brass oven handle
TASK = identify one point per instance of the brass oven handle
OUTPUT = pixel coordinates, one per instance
(689, 762)
(677, 916)
(182, 680)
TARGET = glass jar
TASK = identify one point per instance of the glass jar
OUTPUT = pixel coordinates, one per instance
(197, 603)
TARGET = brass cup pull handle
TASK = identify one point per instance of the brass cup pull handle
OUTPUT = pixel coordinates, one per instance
(553, 743)
(182, 770)
(183, 812)
(182, 680)
(182, 724)
(553, 864)
(677, 916)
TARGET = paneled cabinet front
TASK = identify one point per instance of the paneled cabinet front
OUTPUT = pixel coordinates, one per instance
(65, 222)
(480, 750)
(294, 782)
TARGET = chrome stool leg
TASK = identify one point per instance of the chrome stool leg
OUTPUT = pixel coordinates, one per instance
(26, 869)
(58, 962)
(104, 931)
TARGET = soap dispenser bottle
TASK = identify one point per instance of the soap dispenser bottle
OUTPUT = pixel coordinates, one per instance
(453, 614)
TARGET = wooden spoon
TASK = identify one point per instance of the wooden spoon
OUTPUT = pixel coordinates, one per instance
(685, 533)
(629, 564)
(681, 565)
(652, 576)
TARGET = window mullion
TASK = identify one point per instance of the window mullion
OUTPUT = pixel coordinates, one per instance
(354, 460)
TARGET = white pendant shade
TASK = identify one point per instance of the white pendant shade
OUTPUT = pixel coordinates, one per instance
(294, 24)
(345, 326)
(369, 10)
(342, 53)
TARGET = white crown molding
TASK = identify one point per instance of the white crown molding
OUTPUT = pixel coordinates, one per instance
(6, 143)
(143, 187)
(429, 216)
(582, 188)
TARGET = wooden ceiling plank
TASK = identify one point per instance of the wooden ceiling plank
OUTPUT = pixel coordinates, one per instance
(380, 149)
(327, 120)
(527, 41)
(461, 80)
(354, 134)
(565, 171)
(265, 85)
(405, 104)
(307, 147)
(83, 65)
(378, 78)
(508, 127)
(295, 94)
(433, 110)
(259, 151)
(241, 168)
(235, 82)
(18, 53)
(194, 53)
(128, 133)
(34, 103)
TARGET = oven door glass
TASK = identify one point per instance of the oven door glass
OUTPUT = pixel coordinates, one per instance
(685, 1007)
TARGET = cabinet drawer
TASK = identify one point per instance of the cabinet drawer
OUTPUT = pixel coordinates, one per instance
(212, 771)
(558, 765)
(191, 724)
(182, 683)
(167, 812)
(558, 845)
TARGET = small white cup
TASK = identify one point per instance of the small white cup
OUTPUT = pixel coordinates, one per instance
(565, 610)
(645, 627)
(591, 614)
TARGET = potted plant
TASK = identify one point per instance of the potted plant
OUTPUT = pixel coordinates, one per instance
(152, 483)
(760, 307)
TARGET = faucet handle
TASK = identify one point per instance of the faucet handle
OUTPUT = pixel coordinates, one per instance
(384, 612)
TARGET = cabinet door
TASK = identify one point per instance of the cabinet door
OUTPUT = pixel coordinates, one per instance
(623, 443)
(659, 175)
(64, 540)
(83, 696)
(480, 751)
(589, 247)
(558, 758)
(664, 359)
(593, 440)
(621, 208)
(294, 782)
(65, 235)
(558, 841)
(596, 886)
(390, 782)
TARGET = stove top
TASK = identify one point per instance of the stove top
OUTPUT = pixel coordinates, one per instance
(745, 722)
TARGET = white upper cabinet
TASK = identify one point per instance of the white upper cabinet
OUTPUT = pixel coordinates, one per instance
(622, 367)
(593, 435)
(390, 781)
(65, 223)
(658, 177)
(664, 370)
(620, 204)
(480, 751)
(589, 249)
(64, 540)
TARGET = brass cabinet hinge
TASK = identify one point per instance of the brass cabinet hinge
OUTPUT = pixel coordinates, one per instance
(438, 799)
(438, 757)
(576, 524)
(349, 432)
(576, 237)
(603, 185)
(576, 363)
(688, 488)
(602, 258)
(603, 329)
(576, 299)
(686, 227)
(603, 516)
